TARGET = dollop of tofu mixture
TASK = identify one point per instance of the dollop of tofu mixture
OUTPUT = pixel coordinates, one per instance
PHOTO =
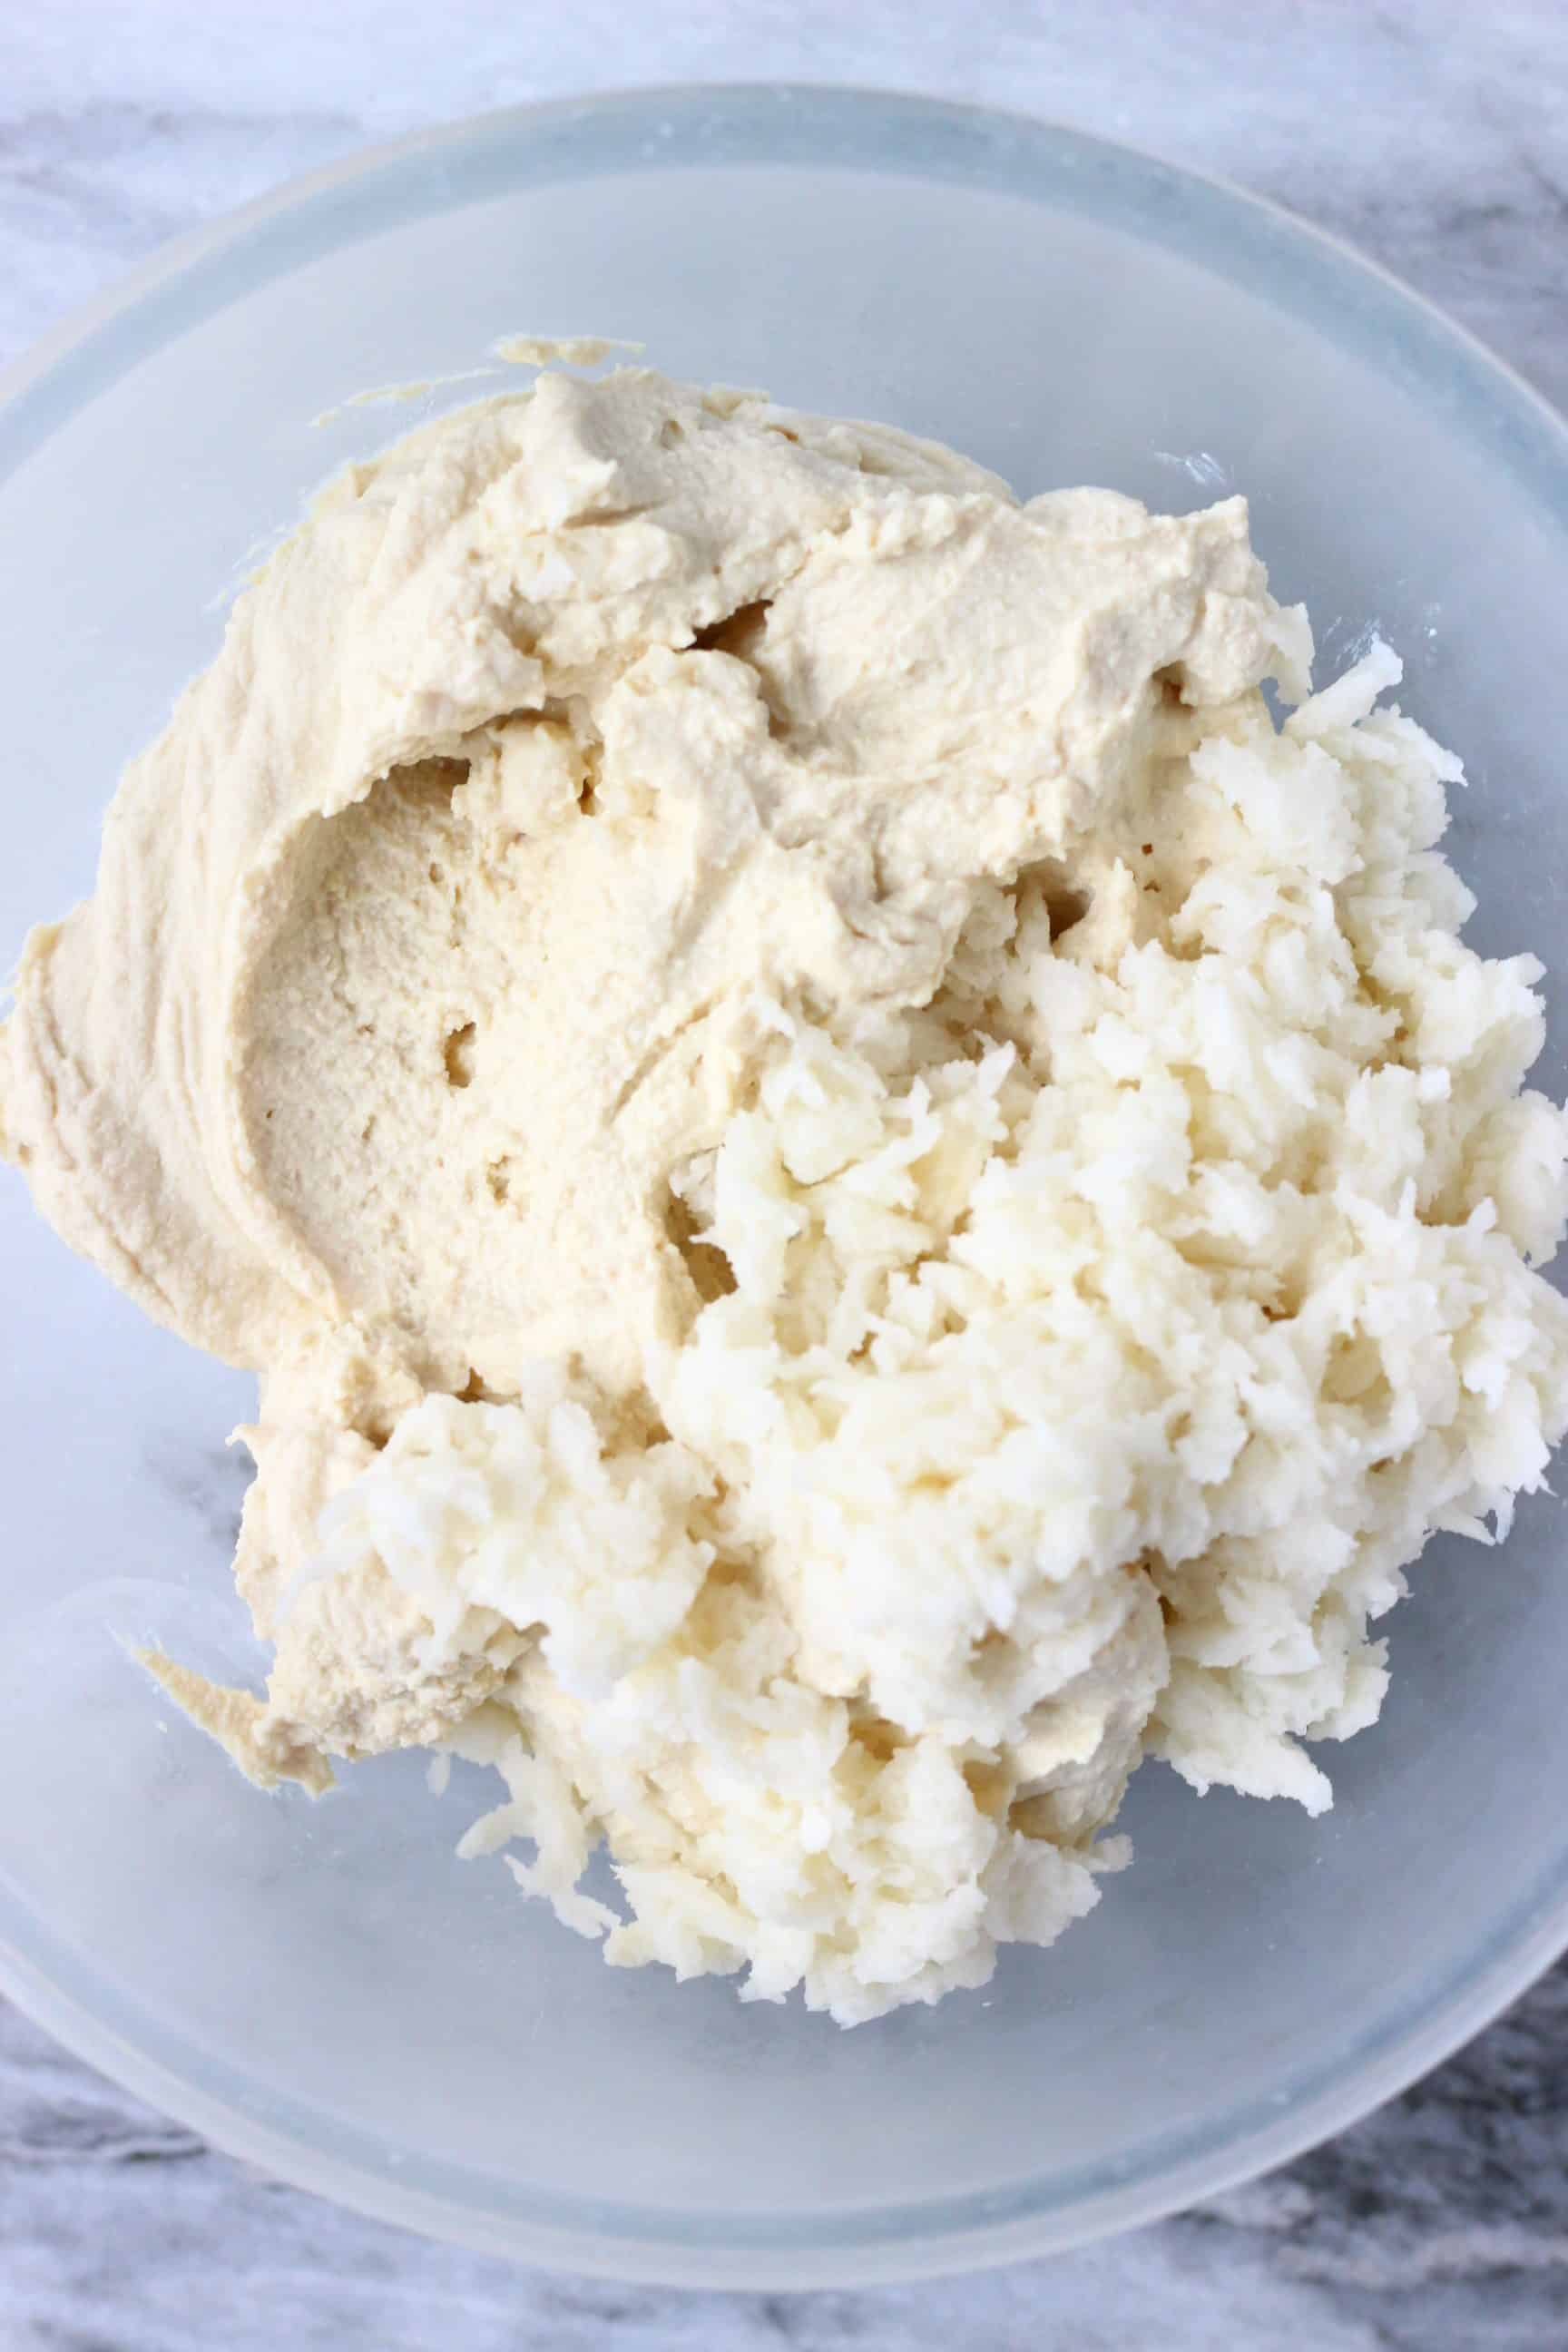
(859, 1193)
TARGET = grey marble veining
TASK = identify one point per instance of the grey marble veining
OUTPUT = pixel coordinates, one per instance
(1429, 132)
(1441, 2221)
(1435, 137)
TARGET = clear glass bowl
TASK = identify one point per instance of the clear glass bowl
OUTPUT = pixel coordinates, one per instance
(324, 1989)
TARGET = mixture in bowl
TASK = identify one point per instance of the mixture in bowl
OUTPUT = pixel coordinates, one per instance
(861, 1194)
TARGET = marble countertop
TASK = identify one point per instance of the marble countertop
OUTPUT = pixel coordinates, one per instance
(1434, 136)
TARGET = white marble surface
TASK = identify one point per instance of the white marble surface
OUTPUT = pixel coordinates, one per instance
(1434, 135)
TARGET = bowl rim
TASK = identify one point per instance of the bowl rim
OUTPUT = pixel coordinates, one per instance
(90, 348)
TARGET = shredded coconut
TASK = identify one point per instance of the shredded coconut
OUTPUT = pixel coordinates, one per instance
(1097, 1346)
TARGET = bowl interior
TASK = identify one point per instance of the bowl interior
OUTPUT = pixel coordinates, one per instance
(325, 1985)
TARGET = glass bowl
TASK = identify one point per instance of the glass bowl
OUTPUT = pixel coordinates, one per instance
(324, 1989)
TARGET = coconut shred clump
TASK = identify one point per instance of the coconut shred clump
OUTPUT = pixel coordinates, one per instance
(861, 1194)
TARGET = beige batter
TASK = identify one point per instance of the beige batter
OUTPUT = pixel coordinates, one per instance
(554, 740)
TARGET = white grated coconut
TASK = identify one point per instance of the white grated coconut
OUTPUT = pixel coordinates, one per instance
(1095, 1348)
